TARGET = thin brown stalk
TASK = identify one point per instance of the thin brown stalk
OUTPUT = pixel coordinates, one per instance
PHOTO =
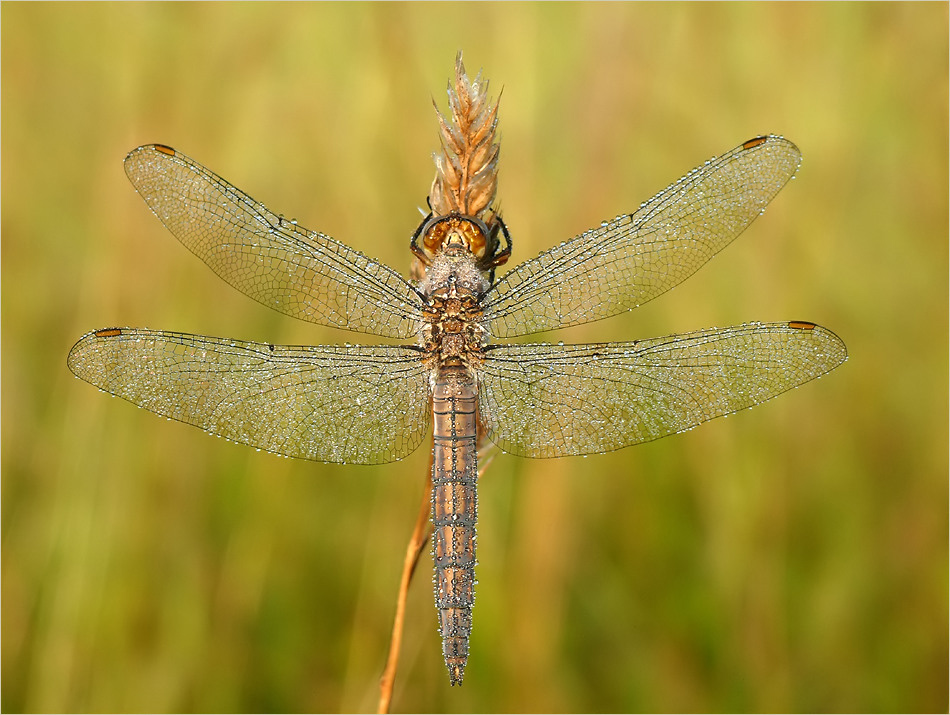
(417, 542)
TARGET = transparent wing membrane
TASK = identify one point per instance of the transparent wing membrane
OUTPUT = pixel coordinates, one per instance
(331, 403)
(274, 261)
(632, 259)
(542, 400)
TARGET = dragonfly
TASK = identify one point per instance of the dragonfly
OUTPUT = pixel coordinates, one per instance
(454, 376)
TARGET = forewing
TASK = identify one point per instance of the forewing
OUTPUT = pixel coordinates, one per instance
(330, 403)
(542, 400)
(274, 261)
(625, 262)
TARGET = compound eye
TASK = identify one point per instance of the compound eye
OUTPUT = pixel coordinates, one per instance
(474, 238)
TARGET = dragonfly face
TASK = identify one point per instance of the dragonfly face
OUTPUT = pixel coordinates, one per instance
(370, 404)
(481, 242)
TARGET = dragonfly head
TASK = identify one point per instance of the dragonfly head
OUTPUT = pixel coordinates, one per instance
(456, 234)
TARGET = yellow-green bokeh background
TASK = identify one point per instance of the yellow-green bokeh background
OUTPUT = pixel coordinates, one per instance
(792, 557)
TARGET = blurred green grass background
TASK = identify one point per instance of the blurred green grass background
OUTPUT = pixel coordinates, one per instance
(790, 558)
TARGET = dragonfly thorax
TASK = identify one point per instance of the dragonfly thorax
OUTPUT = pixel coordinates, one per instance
(452, 331)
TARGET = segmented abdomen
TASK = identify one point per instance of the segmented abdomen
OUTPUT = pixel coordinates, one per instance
(454, 511)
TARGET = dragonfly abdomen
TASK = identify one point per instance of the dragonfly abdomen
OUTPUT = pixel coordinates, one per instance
(454, 511)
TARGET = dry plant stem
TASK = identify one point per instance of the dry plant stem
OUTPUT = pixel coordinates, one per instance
(420, 535)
